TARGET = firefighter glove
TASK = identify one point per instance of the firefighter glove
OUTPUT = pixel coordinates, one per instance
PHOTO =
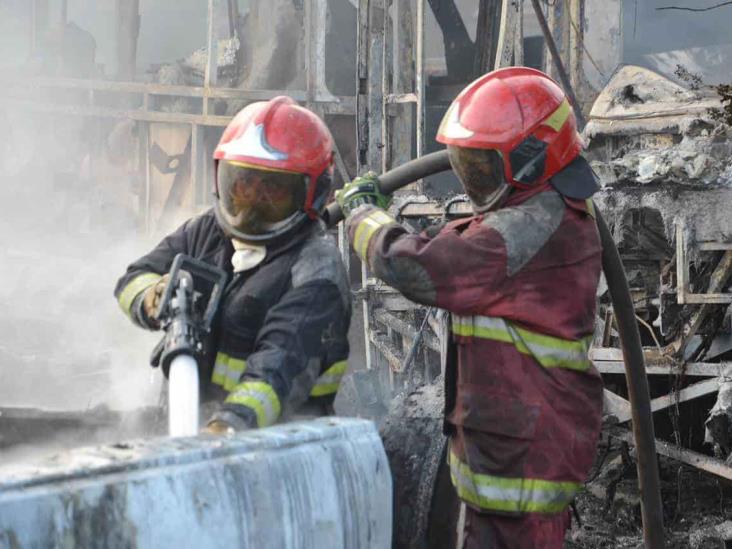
(152, 297)
(219, 427)
(362, 190)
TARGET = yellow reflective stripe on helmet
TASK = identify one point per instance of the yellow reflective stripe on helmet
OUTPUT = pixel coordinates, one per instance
(557, 119)
(512, 495)
(260, 397)
(228, 370)
(366, 229)
(134, 288)
(330, 380)
(549, 351)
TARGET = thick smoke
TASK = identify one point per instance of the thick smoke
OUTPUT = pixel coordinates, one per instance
(71, 219)
(661, 39)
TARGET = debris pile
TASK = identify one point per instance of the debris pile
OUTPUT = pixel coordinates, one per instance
(646, 129)
(697, 513)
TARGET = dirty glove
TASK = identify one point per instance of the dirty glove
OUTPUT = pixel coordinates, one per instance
(218, 427)
(152, 297)
(226, 422)
(362, 190)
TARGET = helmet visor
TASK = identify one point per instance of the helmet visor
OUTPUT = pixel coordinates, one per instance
(254, 201)
(480, 171)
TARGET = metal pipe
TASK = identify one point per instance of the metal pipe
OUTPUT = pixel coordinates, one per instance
(552, 45)
(635, 370)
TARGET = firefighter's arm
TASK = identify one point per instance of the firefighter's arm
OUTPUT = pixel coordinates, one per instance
(288, 357)
(144, 280)
(451, 270)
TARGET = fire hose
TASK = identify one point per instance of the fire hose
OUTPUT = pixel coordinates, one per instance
(635, 370)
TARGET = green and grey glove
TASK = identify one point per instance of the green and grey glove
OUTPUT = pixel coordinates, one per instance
(362, 190)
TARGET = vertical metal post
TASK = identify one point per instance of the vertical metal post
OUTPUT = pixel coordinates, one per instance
(309, 61)
(402, 128)
(233, 17)
(196, 164)
(518, 49)
(558, 64)
(147, 204)
(128, 30)
(387, 79)
(682, 263)
(211, 73)
(420, 84)
(576, 36)
(371, 16)
(505, 50)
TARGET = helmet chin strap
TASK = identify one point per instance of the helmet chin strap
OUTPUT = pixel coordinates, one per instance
(246, 256)
(494, 200)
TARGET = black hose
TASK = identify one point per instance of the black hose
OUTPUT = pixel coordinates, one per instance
(635, 370)
(640, 400)
(397, 178)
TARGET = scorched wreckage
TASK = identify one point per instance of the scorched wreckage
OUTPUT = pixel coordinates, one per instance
(534, 273)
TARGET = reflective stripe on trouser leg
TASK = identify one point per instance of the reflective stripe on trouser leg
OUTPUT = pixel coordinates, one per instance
(260, 397)
(366, 229)
(134, 288)
(549, 351)
(330, 380)
(511, 495)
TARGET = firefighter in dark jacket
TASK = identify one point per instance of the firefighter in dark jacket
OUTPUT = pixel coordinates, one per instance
(280, 340)
(523, 401)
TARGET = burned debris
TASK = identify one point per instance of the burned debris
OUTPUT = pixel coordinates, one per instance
(135, 106)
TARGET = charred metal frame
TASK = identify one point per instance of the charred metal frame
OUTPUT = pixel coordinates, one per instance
(316, 95)
(388, 336)
(391, 76)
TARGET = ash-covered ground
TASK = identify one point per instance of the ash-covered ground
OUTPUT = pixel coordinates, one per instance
(697, 505)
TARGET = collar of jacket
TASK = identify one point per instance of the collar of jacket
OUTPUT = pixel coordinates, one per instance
(277, 248)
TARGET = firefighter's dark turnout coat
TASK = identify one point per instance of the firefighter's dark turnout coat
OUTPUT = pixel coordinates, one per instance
(523, 400)
(280, 337)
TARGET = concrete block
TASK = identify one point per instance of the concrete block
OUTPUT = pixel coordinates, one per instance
(318, 484)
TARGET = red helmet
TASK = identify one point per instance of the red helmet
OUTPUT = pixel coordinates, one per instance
(274, 165)
(525, 116)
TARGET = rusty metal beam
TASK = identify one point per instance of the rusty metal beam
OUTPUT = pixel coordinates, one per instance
(340, 104)
(689, 457)
(692, 369)
(696, 390)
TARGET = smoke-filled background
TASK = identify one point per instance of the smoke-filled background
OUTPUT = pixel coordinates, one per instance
(76, 207)
(83, 195)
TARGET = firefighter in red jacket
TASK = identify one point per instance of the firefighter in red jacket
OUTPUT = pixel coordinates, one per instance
(523, 401)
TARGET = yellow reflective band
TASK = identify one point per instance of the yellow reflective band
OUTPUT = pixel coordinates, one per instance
(228, 370)
(134, 288)
(220, 369)
(330, 380)
(557, 119)
(366, 229)
(590, 207)
(549, 351)
(260, 397)
(512, 495)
